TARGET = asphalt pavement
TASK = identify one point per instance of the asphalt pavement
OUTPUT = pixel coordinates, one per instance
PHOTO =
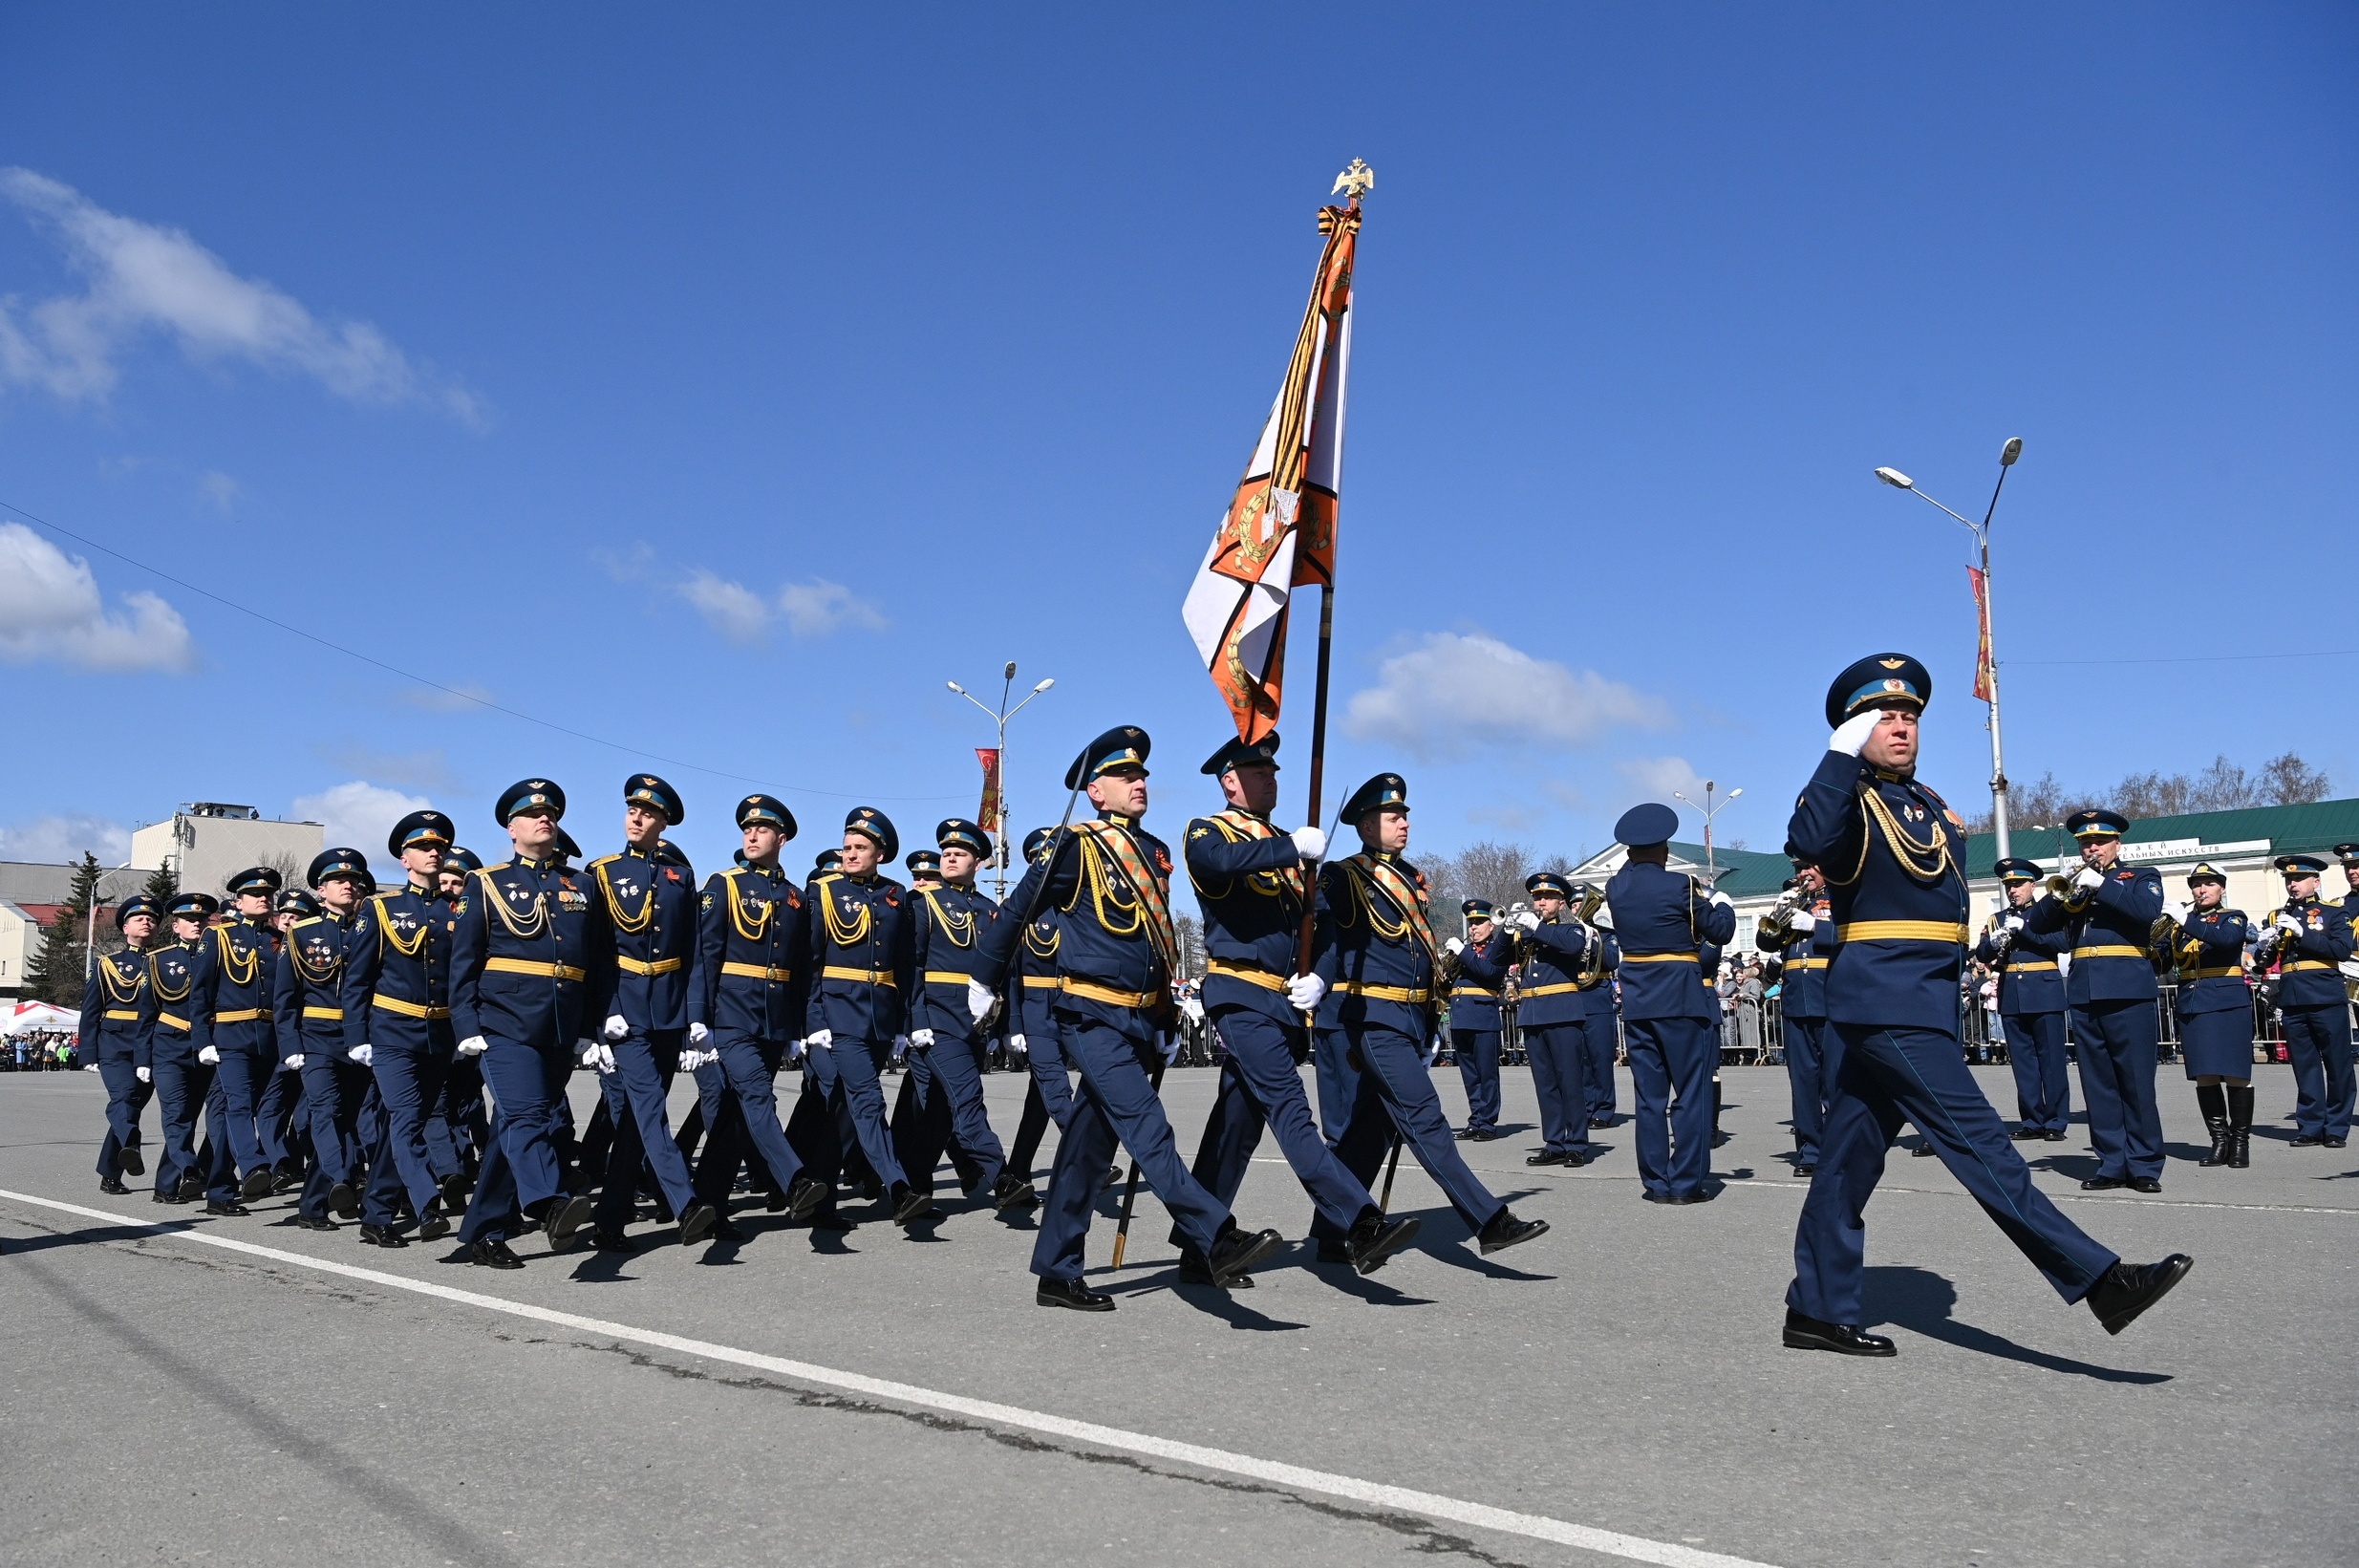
(1614, 1391)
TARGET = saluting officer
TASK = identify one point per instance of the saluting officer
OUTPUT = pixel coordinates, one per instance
(1109, 881)
(1893, 852)
(2311, 940)
(183, 1077)
(947, 1050)
(1664, 923)
(1801, 939)
(2030, 1004)
(531, 964)
(2215, 1012)
(1375, 962)
(1032, 1030)
(115, 1035)
(863, 960)
(650, 905)
(234, 1032)
(1253, 881)
(1565, 961)
(2109, 914)
(308, 1001)
(1481, 960)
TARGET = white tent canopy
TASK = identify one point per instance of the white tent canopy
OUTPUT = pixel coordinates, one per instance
(34, 1017)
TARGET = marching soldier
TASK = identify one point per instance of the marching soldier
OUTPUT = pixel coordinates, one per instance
(650, 906)
(1801, 936)
(947, 1051)
(2109, 914)
(458, 1128)
(283, 1116)
(1565, 961)
(1375, 962)
(307, 1001)
(2206, 951)
(1481, 960)
(1108, 879)
(1665, 923)
(2310, 940)
(1600, 1020)
(1892, 851)
(236, 1034)
(532, 963)
(1032, 1030)
(183, 1079)
(111, 1028)
(1253, 881)
(2030, 1005)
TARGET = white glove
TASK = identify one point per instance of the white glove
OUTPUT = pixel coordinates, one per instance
(2014, 922)
(1721, 899)
(1802, 920)
(147, 1075)
(980, 1000)
(2088, 876)
(474, 1046)
(691, 1060)
(1310, 843)
(818, 1040)
(2178, 913)
(366, 1054)
(1015, 1043)
(1453, 947)
(1523, 918)
(210, 1056)
(618, 1026)
(295, 1061)
(1305, 991)
(1851, 736)
(922, 1039)
(2287, 924)
(601, 1057)
(696, 1033)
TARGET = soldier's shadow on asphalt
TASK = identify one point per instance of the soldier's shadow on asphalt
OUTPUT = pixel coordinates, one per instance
(2072, 1166)
(1922, 1302)
(1209, 1299)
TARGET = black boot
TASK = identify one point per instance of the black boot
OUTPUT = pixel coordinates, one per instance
(2129, 1289)
(2239, 1126)
(2213, 1101)
(1374, 1239)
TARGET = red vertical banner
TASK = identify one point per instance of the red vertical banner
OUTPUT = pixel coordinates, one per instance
(1986, 677)
(988, 817)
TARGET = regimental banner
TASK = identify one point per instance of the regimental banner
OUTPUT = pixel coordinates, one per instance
(987, 815)
(1279, 530)
(1985, 673)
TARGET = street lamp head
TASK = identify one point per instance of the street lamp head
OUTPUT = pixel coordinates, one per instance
(956, 687)
(1734, 793)
(1045, 684)
(1010, 663)
(2013, 449)
(1897, 479)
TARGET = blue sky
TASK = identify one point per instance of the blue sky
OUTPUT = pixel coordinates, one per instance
(720, 385)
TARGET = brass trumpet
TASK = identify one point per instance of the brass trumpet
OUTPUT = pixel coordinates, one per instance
(2060, 887)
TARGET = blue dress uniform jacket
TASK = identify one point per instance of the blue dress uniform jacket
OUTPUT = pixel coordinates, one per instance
(307, 992)
(2029, 979)
(1802, 970)
(2209, 954)
(2307, 973)
(1474, 989)
(2109, 935)
(1664, 920)
(1033, 996)
(1373, 945)
(532, 956)
(950, 920)
(863, 957)
(1889, 849)
(115, 1020)
(233, 996)
(397, 966)
(1108, 967)
(1564, 973)
(752, 972)
(1251, 887)
(651, 909)
(175, 979)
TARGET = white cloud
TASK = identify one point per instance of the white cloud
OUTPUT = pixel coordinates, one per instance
(358, 815)
(219, 489)
(143, 279)
(1660, 778)
(60, 839)
(50, 609)
(809, 609)
(422, 769)
(453, 700)
(1455, 692)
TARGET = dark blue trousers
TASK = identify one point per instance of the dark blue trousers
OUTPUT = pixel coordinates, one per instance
(2043, 1089)
(848, 1073)
(2119, 1044)
(1047, 1099)
(1261, 1085)
(1383, 1088)
(1477, 1051)
(1671, 1063)
(1597, 1065)
(2318, 1042)
(279, 1116)
(1886, 1076)
(1806, 1080)
(739, 1094)
(520, 1172)
(409, 1087)
(461, 1127)
(1114, 1105)
(1560, 1078)
(239, 1080)
(183, 1087)
(947, 1112)
(644, 1067)
(335, 1088)
(125, 1097)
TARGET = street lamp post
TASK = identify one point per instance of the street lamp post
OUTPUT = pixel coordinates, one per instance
(1980, 531)
(1711, 869)
(999, 718)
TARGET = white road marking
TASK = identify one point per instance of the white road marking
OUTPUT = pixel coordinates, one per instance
(1427, 1504)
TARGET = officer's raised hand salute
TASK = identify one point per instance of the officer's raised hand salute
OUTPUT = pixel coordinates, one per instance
(1890, 849)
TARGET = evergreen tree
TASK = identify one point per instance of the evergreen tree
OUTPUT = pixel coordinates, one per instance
(55, 973)
(163, 885)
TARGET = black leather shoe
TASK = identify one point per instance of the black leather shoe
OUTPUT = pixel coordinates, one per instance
(1238, 1251)
(2053, 1137)
(1843, 1338)
(2144, 1183)
(191, 1188)
(1922, 1152)
(377, 1236)
(322, 1223)
(1462, 1133)
(2026, 1134)
(257, 1183)
(1374, 1239)
(1805, 1169)
(434, 1224)
(834, 1219)
(1013, 1193)
(1482, 1134)
(1333, 1252)
(1575, 1159)
(1072, 1293)
(230, 1210)
(909, 1204)
(1505, 1231)
(698, 1223)
(2129, 1289)
(601, 1239)
(724, 1231)
(285, 1181)
(1600, 1124)
(133, 1166)
(1546, 1156)
(805, 1196)
(2104, 1184)
(1669, 1199)
(2332, 1143)
(491, 1253)
(2304, 1140)
(112, 1186)
(455, 1191)
(1194, 1271)
(344, 1201)
(565, 1218)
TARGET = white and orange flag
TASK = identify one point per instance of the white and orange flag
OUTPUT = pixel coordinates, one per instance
(1278, 533)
